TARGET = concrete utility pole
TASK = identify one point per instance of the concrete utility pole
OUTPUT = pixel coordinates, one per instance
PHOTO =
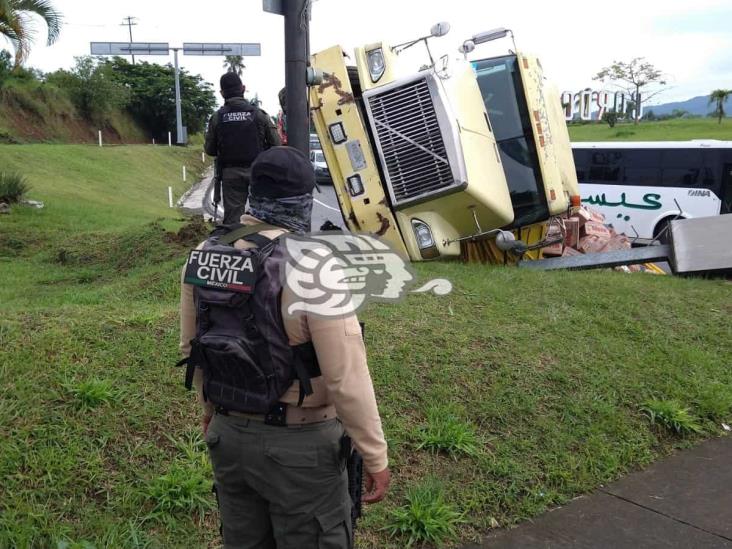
(178, 112)
(297, 23)
(129, 22)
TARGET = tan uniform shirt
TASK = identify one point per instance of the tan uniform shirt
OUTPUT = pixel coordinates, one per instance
(345, 380)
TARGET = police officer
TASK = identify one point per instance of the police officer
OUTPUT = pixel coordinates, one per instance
(282, 484)
(236, 134)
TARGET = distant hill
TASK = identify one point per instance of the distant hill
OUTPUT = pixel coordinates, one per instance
(696, 105)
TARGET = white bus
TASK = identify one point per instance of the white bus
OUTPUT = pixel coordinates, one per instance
(641, 186)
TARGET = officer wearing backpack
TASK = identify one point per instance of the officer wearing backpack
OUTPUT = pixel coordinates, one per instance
(236, 134)
(278, 392)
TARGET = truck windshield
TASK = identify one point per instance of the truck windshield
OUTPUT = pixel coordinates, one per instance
(500, 85)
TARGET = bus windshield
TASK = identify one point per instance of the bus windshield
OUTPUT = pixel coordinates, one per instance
(500, 85)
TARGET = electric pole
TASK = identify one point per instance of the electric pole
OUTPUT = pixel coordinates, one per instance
(129, 23)
(297, 21)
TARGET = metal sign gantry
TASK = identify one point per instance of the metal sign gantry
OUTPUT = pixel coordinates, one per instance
(189, 48)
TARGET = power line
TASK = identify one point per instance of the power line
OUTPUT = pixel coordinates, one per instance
(130, 22)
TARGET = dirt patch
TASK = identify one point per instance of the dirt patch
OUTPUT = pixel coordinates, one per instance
(191, 234)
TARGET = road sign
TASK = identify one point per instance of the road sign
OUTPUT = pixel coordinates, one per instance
(129, 48)
(212, 48)
(273, 6)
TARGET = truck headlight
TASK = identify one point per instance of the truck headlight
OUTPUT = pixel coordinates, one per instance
(423, 233)
(425, 240)
(376, 63)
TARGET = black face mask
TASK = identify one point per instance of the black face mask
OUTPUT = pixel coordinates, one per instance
(292, 213)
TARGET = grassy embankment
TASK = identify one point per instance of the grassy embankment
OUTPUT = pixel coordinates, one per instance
(30, 113)
(541, 375)
(668, 130)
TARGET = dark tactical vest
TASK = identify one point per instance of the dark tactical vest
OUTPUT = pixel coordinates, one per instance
(237, 136)
(240, 342)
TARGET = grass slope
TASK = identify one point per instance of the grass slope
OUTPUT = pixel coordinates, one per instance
(531, 383)
(31, 113)
(668, 130)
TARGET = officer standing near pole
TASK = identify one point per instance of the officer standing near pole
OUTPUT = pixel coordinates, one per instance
(236, 134)
(279, 468)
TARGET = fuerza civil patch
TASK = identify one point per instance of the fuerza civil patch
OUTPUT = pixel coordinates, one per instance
(224, 270)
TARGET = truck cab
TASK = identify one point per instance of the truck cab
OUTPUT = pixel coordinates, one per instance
(449, 153)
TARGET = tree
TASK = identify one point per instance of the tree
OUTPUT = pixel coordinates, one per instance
(634, 77)
(234, 63)
(152, 96)
(719, 97)
(92, 88)
(611, 117)
(15, 24)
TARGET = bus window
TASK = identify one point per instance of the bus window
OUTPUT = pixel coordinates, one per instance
(642, 167)
(581, 162)
(681, 167)
(726, 189)
(605, 167)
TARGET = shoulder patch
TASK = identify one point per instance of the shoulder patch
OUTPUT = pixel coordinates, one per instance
(221, 270)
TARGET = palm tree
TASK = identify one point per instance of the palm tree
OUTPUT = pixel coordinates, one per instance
(15, 24)
(232, 63)
(719, 97)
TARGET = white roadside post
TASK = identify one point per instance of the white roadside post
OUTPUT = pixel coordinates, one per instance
(203, 158)
(184, 173)
(100, 138)
(170, 140)
(170, 196)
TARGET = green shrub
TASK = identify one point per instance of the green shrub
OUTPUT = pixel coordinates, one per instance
(446, 432)
(715, 402)
(425, 518)
(92, 393)
(184, 489)
(671, 415)
(13, 187)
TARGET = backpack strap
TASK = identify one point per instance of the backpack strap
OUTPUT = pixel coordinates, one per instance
(245, 230)
(306, 368)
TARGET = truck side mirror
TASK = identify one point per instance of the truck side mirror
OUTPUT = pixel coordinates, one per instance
(440, 29)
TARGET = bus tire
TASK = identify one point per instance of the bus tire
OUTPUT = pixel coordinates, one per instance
(662, 230)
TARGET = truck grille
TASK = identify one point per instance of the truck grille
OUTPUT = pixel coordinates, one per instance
(413, 152)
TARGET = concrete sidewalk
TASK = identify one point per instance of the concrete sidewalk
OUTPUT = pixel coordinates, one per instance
(192, 201)
(684, 501)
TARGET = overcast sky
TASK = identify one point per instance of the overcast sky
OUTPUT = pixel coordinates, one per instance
(690, 40)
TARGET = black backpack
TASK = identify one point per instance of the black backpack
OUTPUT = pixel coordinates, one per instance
(240, 342)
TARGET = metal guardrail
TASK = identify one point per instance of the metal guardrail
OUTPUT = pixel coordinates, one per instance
(617, 258)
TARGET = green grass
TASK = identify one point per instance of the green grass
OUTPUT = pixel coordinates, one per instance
(547, 371)
(668, 130)
(671, 415)
(445, 432)
(425, 518)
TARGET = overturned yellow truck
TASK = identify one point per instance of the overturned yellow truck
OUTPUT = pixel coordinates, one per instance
(436, 160)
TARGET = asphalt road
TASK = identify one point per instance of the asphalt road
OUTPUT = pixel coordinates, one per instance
(325, 208)
(325, 203)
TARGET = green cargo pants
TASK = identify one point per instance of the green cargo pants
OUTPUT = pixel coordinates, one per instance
(280, 487)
